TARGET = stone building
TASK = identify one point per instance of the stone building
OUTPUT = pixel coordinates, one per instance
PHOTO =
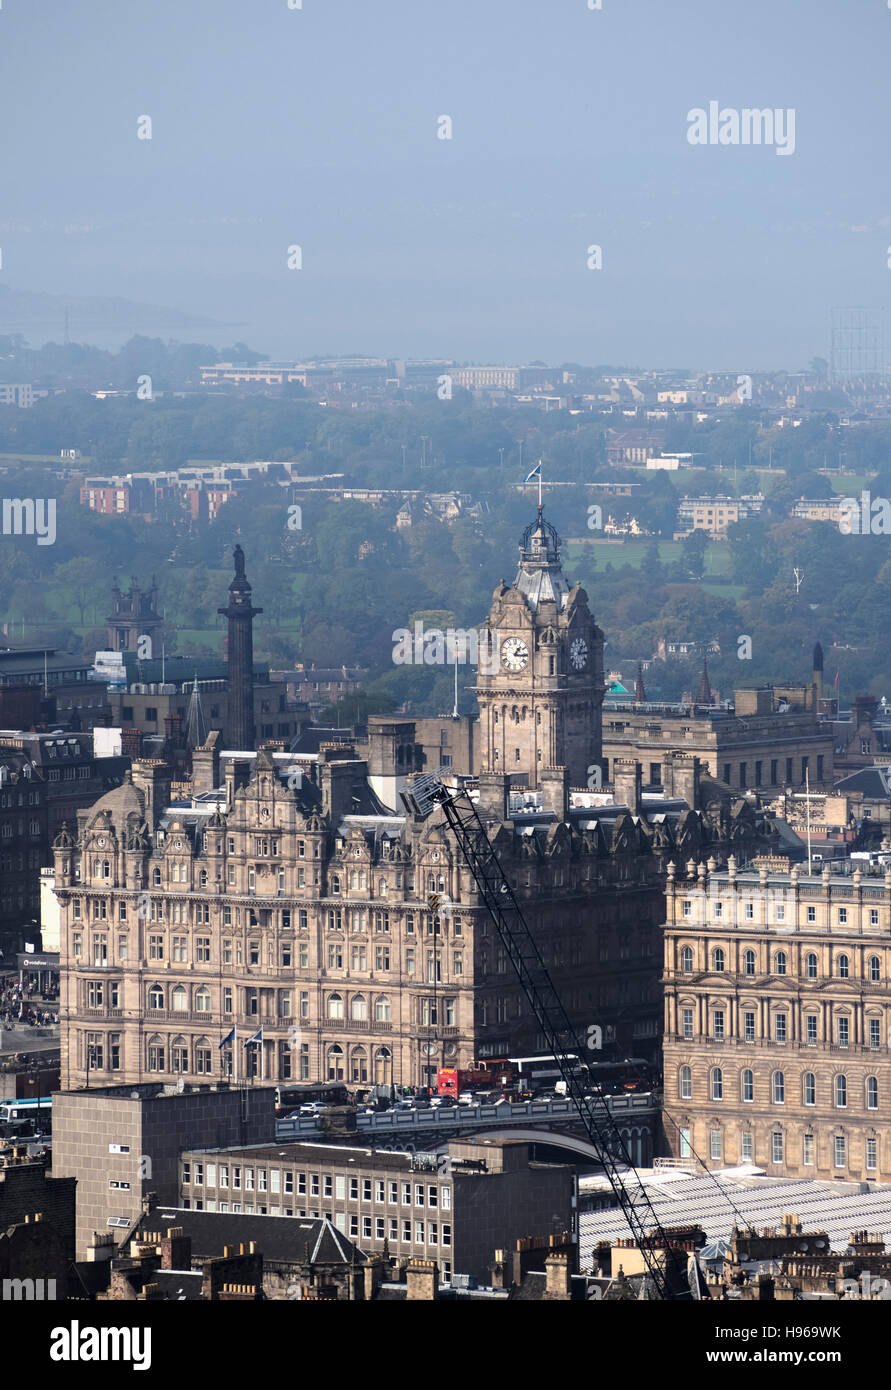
(287, 904)
(777, 1046)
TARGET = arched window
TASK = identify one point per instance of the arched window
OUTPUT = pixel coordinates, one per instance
(875, 968)
(719, 958)
(156, 997)
(335, 884)
(156, 877)
(717, 1084)
(841, 1092)
(872, 1093)
(335, 1062)
(809, 1086)
(179, 1000)
(687, 960)
(203, 878)
(748, 1085)
(358, 1064)
(335, 1006)
(202, 1000)
(685, 1084)
(844, 967)
(383, 1066)
(358, 1007)
(179, 1055)
(750, 962)
(780, 963)
(811, 966)
(779, 1088)
(156, 1053)
(382, 1008)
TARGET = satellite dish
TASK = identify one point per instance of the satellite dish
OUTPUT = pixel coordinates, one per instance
(134, 1095)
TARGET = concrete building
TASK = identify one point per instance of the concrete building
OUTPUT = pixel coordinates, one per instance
(123, 1142)
(456, 1208)
(777, 1046)
(715, 514)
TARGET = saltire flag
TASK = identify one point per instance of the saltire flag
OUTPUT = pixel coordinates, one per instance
(230, 1037)
(536, 470)
(255, 1040)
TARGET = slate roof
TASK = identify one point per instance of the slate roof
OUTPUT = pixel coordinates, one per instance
(284, 1238)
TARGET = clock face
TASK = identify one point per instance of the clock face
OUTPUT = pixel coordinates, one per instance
(514, 653)
(578, 654)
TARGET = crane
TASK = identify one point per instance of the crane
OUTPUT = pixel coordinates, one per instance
(667, 1266)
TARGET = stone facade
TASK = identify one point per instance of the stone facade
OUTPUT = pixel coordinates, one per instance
(777, 1043)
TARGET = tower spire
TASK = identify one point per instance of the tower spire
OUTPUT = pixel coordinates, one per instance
(705, 690)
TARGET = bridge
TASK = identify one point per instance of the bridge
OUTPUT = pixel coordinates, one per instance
(538, 1121)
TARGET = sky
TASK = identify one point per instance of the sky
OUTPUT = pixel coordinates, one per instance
(318, 127)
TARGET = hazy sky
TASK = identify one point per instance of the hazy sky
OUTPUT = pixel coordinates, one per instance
(318, 126)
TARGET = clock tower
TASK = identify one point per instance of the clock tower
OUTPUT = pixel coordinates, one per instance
(540, 684)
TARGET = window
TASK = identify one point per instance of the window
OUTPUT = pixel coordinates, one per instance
(749, 1026)
(687, 907)
(335, 1006)
(810, 1088)
(811, 913)
(358, 1007)
(718, 1024)
(810, 1029)
(841, 1092)
(749, 962)
(871, 1153)
(156, 997)
(811, 966)
(687, 1023)
(873, 916)
(875, 1032)
(749, 911)
(838, 1147)
(745, 1147)
(875, 968)
(780, 1027)
(382, 1008)
(807, 1149)
(687, 960)
(717, 1084)
(776, 1147)
(719, 910)
(714, 1145)
(844, 967)
(780, 962)
(719, 959)
(872, 1093)
(779, 1088)
(843, 1031)
(685, 1085)
(748, 1085)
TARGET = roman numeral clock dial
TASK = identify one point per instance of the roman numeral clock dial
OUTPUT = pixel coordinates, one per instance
(514, 654)
(578, 654)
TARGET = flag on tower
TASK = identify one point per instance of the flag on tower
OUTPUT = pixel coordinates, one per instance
(536, 471)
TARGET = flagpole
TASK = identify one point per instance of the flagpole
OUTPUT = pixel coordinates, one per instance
(235, 1053)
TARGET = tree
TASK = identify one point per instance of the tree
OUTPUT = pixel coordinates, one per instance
(693, 548)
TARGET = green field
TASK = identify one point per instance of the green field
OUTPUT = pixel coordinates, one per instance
(581, 551)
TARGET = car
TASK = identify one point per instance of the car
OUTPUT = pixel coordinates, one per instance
(403, 1105)
(312, 1107)
(436, 1102)
(466, 1098)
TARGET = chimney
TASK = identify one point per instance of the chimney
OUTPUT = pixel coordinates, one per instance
(374, 1273)
(493, 797)
(176, 1249)
(553, 783)
(152, 777)
(558, 1278)
(627, 780)
(337, 780)
(206, 764)
(685, 778)
(422, 1281)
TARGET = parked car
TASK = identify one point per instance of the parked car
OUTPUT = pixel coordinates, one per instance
(466, 1098)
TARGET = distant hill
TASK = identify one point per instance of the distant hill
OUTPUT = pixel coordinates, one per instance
(37, 316)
